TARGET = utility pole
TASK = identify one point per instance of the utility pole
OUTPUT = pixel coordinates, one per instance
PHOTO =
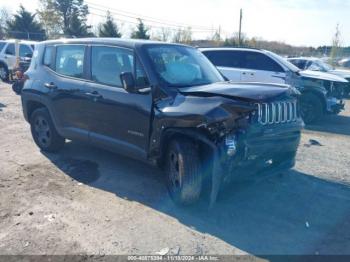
(240, 28)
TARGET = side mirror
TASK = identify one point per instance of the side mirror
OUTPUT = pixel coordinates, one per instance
(128, 82)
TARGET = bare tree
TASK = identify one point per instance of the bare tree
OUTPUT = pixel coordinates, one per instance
(336, 44)
(4, 17)
(183, 36)
(163, 34)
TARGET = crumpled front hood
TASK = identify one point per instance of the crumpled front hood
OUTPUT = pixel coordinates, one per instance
(242, 91)
(322, 76)
(340, 72)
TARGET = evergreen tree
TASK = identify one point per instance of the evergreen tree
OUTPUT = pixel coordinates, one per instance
(24, 26)
(109, 28)
(77, 27)
(141, 31)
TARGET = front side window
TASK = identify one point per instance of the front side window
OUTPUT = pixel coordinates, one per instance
(25, 51)
(302, 64)
(70, 60)
(107, 63)
(323, 65)
(225, 58)
(10, 50)
(315, 67)
(257, 61)
(180, 66)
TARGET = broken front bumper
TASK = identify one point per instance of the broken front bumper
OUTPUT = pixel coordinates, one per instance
(259, 151)
(263, 149)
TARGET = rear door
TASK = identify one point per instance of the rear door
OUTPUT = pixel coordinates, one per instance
(65, 83)
(261, 68)
(228, 62)
(120, 121)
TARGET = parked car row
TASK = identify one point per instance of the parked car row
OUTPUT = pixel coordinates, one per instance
(316, 64)
(321, 93)
(205, 116)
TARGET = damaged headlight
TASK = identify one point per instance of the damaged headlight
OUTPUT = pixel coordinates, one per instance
(231, 145)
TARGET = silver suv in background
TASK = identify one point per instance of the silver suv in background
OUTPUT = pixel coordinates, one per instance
(316, 64)
(321, 92)
(8, 55)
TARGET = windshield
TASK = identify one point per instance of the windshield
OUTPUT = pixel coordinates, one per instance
(181, 66)
(284, 62)
(323, 66)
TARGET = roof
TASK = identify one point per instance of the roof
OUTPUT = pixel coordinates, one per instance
(128, 43)
(21, 41)
(304, 58)
(232, 48)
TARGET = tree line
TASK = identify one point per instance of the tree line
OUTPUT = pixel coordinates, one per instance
(68, 18)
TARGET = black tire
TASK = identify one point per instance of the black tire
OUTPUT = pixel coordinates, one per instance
(183, 172)
(311, 108)
(4, 73)
(44, 132)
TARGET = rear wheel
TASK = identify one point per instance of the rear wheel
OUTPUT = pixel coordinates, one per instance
(44, 132)
(4, 73)
(183, 176)
(311, 108)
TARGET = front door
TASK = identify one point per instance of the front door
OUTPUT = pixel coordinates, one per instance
(261, 68)
(120, 121)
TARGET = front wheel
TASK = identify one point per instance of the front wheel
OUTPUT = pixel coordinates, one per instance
(44, 132)
(183, 176)
(311, 108)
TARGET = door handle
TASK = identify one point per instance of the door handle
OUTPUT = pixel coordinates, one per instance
(50, 85)
(93, 94)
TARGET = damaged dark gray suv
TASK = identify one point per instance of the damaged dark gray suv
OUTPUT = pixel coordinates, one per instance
(162, 103)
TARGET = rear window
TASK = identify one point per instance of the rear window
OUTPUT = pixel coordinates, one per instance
(70, 60)
(48, 56)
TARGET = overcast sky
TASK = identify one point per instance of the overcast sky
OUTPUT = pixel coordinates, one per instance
(297, 22)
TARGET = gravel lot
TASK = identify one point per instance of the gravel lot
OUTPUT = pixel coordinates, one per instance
(89, 201)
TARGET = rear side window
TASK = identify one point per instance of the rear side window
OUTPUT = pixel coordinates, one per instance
(258, 61)
(10, 50)
(25, 50)
(70, 60)
(48, 56)
(2, 44)
(225, 58)
(107, 63)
